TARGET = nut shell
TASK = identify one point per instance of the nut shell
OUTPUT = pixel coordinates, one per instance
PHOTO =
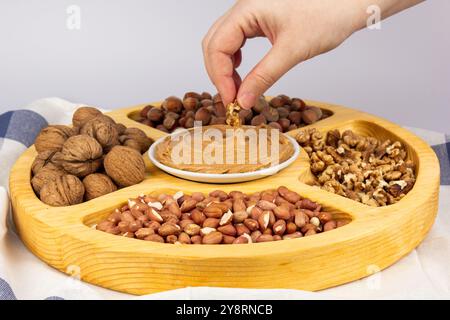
(65, 190)
(125, 166)
(52, 138)
(134, 137)
(83, 115)
(98, 184)
(103, 131)
(46, 174)
(42, 160)
(80, 155)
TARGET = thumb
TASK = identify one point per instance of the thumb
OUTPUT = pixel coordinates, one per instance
(279, 60)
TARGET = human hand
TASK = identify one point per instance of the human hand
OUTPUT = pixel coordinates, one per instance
(297, 29)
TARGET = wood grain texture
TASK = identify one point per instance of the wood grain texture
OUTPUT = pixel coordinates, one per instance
(375, 239)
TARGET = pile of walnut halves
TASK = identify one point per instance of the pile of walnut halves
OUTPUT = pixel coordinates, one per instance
(364, 169)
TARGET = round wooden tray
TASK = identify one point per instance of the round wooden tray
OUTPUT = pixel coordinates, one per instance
(64, 238)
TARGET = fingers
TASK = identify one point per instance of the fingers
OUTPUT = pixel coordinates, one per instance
(222, 55)
(276, 63)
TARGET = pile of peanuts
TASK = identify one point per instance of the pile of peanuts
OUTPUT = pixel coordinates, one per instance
(220, 217)
(281, 112)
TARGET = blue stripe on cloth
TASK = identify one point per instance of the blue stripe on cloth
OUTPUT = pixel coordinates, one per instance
(443, 153)
(21, 125)
(6, 292)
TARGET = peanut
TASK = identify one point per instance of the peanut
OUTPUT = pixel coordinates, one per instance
(214, 237)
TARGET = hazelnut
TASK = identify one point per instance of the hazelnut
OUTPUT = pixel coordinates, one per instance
(155, 115)
(65, 190)
(98, 184)
(297, 104)
(271, 114)
(203, 115)
(260, 104)
(83, 115)
(170, 123)
(284, 123)
(283, 112)
(276, 125)
(125, 166)
(205, 96)
(218, 120)
(245, 115)
(192, 94)
(310, 116)
(52, 138)
(172, 104)
(190, 103)
(162, 128)
(145, 110)
(277, 102)
(220, 110)
(80, 155)
(258, 120)
(206, 103)
(295, 117)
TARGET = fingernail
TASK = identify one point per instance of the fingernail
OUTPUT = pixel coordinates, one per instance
(246, 100)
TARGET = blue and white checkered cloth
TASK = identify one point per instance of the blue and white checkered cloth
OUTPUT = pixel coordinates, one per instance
(424, 273)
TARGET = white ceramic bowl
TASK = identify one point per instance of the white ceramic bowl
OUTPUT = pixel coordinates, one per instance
(223, 177)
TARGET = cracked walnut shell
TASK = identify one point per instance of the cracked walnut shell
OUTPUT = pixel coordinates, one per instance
(125, 166)
(80, 155)
(52, 137)
(65, 190)
(98, 184)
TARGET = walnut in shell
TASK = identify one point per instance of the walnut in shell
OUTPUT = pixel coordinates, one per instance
(65, 190)
(80, 155)
(42, 160)
(83, 115)
(97, 184)
(103, 131)
(134, 137)
(125, 166)
(52, 137)
(46, 174)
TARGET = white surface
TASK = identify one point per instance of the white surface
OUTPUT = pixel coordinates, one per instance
(137, 51)
(223, 178)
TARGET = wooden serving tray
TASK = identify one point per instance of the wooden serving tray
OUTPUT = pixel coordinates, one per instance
(63, 237)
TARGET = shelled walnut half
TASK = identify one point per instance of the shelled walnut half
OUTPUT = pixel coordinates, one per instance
(365, 169)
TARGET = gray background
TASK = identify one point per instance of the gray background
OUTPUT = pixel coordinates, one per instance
(136, 51)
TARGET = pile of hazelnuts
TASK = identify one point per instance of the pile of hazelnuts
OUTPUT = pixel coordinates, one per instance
(220, 217)
(281, 112)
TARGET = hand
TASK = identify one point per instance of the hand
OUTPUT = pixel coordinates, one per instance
(297, 29)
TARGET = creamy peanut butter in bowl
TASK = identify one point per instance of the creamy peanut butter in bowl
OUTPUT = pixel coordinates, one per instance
(224, 154)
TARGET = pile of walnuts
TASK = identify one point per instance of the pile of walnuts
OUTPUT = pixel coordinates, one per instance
(364, 169)
(90, 159)
(282, 112)
(220, 217)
